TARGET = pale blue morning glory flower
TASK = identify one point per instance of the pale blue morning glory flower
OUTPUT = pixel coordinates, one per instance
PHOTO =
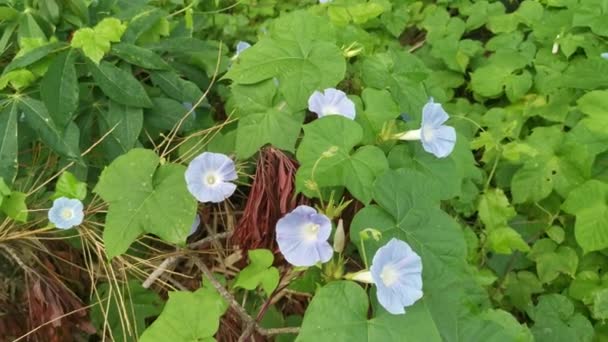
(66, 213)
(188, 106)
(604, 55)
(302, 236)
(397, 272)
(324, 1)
(240, 47)
(195, 224)
(436, 137)
(331, 102)
(209, 177)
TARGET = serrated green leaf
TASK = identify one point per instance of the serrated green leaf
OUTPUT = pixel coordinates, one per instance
(144, 198)
(96, 42)
(120, 85)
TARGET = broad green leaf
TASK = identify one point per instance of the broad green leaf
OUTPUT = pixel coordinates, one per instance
(188, 316)
(520, 286)
(144, 198)
(69, 186)
(409, 210)
(600, 304)
(338, 312)
(595, 105)
(442, 170)
(96, 42)
(301, 64)
(403, 74)
(126, 123)
(14, 206)
(134, 302)
(556, 164)
(59, 88)
(259, 272)
(553, 260)
(326, 158)
(379, 109)
(589, 203)
(279, 128)
(120, 85)
(263, 120)
(139, 56)
(555, 320)
(358, 13)
(37, 117)
(9, 149)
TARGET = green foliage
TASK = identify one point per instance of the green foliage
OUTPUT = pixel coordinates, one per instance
(144, 198)
(188, 316)
(139, 304)
(259, 272)
(96, 42)
(513, 223)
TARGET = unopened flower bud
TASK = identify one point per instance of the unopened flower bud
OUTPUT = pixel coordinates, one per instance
(339, 237)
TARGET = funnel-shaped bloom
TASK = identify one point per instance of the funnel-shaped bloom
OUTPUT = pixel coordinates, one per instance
(604, 55)
(66, 213)
(208, 177)
(302, 236)
(331, 102)
(397, 272)
(436, 137)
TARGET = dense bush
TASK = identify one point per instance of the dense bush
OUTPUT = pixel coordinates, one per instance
(193, 170)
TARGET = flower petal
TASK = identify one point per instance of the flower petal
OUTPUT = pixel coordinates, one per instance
(433, 115)
(300, 246)
(217, 164)
(331, 102)
(441, 141)
(61, 204)
(401, 286)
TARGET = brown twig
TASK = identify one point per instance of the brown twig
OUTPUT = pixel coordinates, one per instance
(251, 324)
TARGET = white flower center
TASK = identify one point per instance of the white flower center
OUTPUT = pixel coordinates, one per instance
(389, 275)
(311, 231)
(210, 179)
(67, 213)
(330, 110)
(429, 133)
